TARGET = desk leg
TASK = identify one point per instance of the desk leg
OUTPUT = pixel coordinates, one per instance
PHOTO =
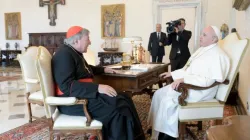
(149, 91)
(160, 84)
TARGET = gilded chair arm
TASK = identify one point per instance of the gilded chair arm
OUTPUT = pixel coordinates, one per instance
(31, 81)
(67, 101)
(183, 89)
(85, 109)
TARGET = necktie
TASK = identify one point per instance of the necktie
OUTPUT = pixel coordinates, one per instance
(159, 36)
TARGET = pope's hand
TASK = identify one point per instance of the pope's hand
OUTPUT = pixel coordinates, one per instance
(176, 83)
(106, 89)
(165, 75)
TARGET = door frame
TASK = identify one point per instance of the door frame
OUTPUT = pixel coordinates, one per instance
(160, 5)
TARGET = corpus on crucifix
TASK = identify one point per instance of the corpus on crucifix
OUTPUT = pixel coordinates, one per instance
(52, 9)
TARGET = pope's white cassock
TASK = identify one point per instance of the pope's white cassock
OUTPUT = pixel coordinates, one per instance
(204, 67)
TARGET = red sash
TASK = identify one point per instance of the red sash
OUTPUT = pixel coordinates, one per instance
(59, 92)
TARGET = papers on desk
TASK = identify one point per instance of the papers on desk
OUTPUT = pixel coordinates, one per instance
(115, 67)
(135, 69)
(144, 67)
(139, 68)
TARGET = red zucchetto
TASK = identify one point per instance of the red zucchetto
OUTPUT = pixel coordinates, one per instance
(73, 31)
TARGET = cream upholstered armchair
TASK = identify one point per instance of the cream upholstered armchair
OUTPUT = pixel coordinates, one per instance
(61, 123)
(213, 109)
(32, 86)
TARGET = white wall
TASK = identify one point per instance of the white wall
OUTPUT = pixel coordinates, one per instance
(139, 22)
(218, 12)
(87, 14)
(243, 28)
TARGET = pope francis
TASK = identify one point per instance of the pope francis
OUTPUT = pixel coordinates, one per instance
(207, 65)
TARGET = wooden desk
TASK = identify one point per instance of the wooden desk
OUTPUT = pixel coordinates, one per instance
(235, 128)
(133, 81)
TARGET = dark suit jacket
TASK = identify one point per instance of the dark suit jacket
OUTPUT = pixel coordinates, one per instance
(182, 44)
(153, 44)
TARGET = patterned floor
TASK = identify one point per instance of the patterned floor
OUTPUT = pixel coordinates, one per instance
(14, 113)
(13, 109)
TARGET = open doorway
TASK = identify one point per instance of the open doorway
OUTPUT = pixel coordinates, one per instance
(173, 14)
(165, 11)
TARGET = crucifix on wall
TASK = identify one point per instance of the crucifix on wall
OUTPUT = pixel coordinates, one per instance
(52, 14)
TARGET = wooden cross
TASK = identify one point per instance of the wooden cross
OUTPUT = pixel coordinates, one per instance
(51, 9)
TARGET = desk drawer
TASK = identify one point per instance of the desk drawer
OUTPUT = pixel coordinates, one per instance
(148, 79)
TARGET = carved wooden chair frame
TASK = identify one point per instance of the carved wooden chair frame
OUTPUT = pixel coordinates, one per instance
(50, 101)
(61, 133)
(183, 89)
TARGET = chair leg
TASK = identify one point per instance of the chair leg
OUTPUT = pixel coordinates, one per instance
(29, 111)
(51, 137)
(85, 137)
(99, 134)
(51, 132)
(29, 107)
(182, 130)
(199, 125)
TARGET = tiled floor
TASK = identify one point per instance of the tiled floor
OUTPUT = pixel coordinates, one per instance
(13, 108)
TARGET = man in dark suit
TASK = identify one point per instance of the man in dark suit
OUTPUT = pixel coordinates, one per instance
(179, 53)
(157, 41)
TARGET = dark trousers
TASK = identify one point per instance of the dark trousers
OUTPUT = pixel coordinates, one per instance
(157, 59)
(117, 114)
(177, 63)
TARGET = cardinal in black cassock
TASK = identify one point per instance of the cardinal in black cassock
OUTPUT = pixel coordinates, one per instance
(73, 77)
